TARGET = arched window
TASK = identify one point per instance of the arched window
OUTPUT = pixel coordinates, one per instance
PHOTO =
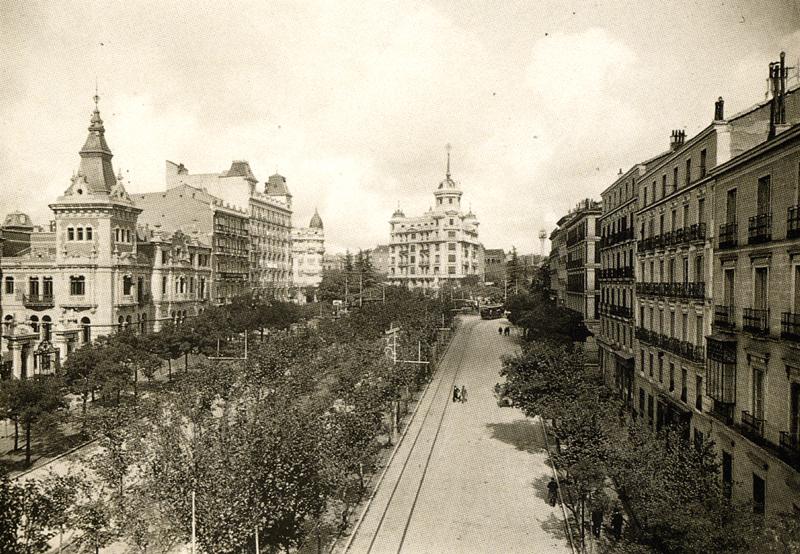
(35, 323)
(143, 324)
(47, 326)
(121, 322)
(87, 329)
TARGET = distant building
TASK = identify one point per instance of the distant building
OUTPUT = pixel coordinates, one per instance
(196, 213)
(270, 219)
(308, 250)
(333, 262)
(381, 259)
(495, 266)
(580, 233)
(438, 247)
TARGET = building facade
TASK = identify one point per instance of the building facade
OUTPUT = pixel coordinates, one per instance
(196, 213)
(88, 274)
(439, 247)
(582, 236)
(754, 353)
(308, 250)
(269, 225)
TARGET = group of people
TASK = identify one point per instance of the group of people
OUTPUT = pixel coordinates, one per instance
(598, 502)
(503, 330)
(459, 395)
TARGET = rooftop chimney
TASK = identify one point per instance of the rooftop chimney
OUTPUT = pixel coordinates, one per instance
(676, 139)
(777, 112)
(719, 112)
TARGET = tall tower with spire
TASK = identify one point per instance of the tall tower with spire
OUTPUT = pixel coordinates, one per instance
(96, 241)
(448, 195)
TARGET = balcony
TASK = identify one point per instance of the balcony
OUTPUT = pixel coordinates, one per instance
(723, 317)
(723, 411)
(696, 290)
(755, 321)
(753, 427)
(790, 449)
(696, 232)
(727, 235)
(38, 301)
(793, 223)
(691, 352)
(759, 229)
(790, 326)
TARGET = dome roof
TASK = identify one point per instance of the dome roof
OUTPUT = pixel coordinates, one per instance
(17, 219)
(316, 221)
(398, 213)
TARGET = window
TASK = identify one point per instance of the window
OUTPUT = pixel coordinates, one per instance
(33, 286)
(760, 292)
(451, 246)
(701, 210)
(451, 234)
(127, 285)
(727, 473)
(70, 233)
(451, 270)
(730, 211)
(729, 286)
(450, 200)
(79, 233)
(671, 377)
(757, 396)
(163, 285)
(759, 494)
(763, 195)
(88, 233)
(698, 391)
(688, 171)
(794, 411)
(675, 178)
(47, 287)
(451, 258)
(664, 185)
(703, 156)
(9, 285)
(77, 285)
(699, 331)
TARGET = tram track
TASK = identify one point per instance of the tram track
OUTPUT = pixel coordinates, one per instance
(434, 402)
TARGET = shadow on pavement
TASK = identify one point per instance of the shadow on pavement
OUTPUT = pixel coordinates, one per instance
(523, 434)
(554, 526)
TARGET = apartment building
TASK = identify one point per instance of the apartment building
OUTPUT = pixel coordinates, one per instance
(754, 352)
(439, 247)
(617, 245)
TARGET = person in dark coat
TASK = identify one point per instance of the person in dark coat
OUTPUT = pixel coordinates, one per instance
(597, 519)
(456, 394)
(500, 330)
(463, 393)
(616, 523)
(507, 331)
(552, 492)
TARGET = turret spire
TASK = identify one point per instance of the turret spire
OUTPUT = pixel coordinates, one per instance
(448, 147)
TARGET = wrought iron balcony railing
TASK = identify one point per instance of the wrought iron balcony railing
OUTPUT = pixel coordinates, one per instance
(38, 300)
(755, 321)
(793, 223)
(790, 326)
(759, 229)
(723, 317)
(752, 425)
(728, 235)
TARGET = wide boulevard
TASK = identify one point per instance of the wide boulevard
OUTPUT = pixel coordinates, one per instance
(468, 477)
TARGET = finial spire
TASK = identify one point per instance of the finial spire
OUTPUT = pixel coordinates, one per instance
(448, 147)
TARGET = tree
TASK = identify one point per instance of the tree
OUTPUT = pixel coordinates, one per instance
(33, 402)
(543, 320)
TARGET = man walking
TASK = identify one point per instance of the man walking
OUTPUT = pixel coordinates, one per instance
(456, 394)
(616, 523)
(463, 393)
(552, 492)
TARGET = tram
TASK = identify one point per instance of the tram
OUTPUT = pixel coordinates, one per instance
(492, 312)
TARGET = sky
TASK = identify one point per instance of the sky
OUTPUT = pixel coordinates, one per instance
(354, 101)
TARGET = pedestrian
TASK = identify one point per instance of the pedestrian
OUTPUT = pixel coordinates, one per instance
(508, 330)
(463, 393)
(552, 491)
(616, 523)
(500, 330)
(456, 394)
(597, 519)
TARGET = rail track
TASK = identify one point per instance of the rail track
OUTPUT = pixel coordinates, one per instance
(379, 530)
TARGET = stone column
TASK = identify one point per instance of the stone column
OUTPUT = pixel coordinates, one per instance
(16, 352)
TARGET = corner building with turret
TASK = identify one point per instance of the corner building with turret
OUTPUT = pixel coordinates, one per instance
(439, 247)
